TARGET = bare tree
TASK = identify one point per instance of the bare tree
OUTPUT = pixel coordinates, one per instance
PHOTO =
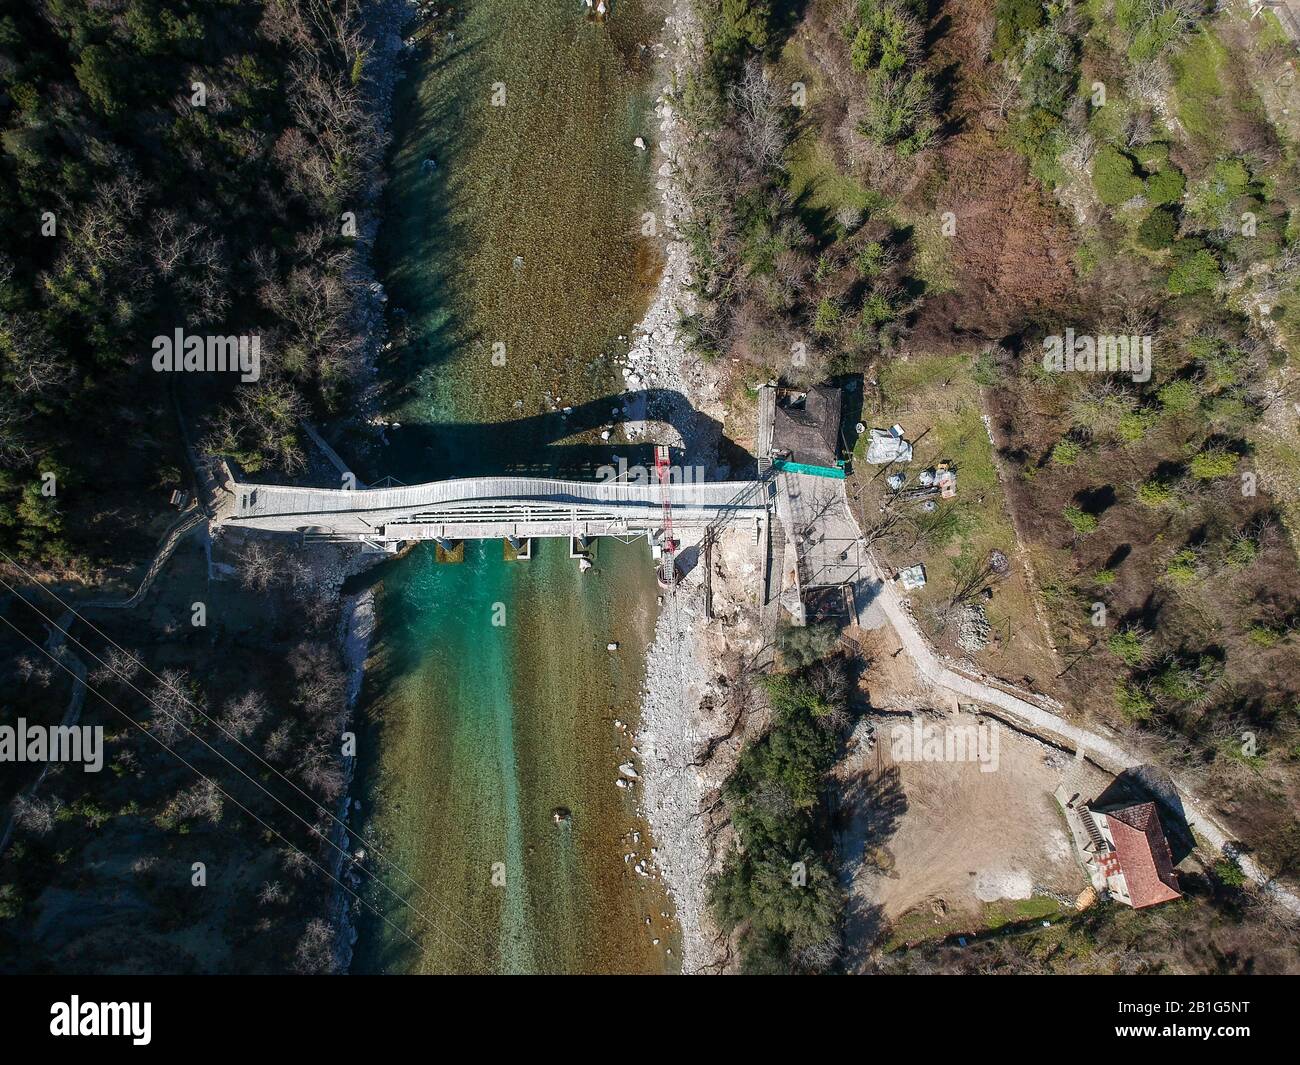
(272, 893)
(173, 705)
(119, 667)
(35, 815)
(315, 953)
(243, 714)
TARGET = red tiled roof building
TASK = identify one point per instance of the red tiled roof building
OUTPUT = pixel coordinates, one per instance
(1140, 869)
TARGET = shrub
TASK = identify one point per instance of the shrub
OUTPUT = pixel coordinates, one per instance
(1228, 873)
(1189, 684)
(1016, 20)
(1080, 521)
(871, 260)
(828, 317)
(1158, 230)
(1166, 186)
(900, 112)
(1134, 703)
(1182, 568)
(1213, 463)
(1154, 493)
(802, 645)
(1179, 397)
(1130, 646)
(1114, 178)
(1241, 553)
(1197, 272)
(742, 24)
(1266, 635)
(1132, 426)
(1066, 452)
(885, 39)
(876, 309)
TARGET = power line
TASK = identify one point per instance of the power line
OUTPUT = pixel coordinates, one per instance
(229, 735)
(77, 680)
(274, 798)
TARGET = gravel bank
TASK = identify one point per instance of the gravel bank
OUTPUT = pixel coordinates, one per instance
(682, 661)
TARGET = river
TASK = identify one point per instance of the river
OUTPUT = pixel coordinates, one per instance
(513, 261)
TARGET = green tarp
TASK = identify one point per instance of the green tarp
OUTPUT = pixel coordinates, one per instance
(817, 471)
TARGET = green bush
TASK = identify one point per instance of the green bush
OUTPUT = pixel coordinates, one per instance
(1133, 702)
(900, 112)
(802, 645)
(1066, 452)
(1113, 176)
(742, 25)
(885, 39)
(1179, 397)
(1080, 521)
(1197, 272)
(1182, 568)
(1158, 230)
(1228, 873)
(1130, 646)
(1266, 635)
(871, 260)
(876, 310)
(828, 317)
(1016, 20)
(1213, 463)
(1241, 553)
(1154, 493)
(1165, 186)
(776, 883)
(1132, 426)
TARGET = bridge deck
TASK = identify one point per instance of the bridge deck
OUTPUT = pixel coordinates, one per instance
(489, 507)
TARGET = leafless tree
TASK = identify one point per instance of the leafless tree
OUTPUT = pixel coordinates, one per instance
(119, 667)
(174, 708)
(272, 893)
(278, 743)
(759, 110)
(30, 671)
(295, 862)
(322, 773)
(259, 566)
(203, 800)
(36, 815)
(320, 683)
(315, 953)
(242, 715)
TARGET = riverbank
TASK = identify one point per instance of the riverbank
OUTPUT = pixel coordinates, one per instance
(685, 661)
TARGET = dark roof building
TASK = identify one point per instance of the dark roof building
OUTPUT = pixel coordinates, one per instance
(809, 431)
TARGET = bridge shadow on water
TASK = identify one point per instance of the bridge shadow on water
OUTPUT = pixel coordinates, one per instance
(542, 445)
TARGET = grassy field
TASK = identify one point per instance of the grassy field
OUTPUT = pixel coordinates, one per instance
(1002, 915)
(937, 401)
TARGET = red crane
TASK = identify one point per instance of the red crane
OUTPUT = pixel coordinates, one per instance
(663, 471)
